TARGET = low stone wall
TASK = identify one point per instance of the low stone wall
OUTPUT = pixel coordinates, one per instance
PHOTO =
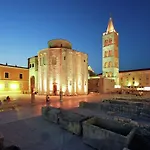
(107, 134)
(129, 108)
(71, 121)
(51, 113)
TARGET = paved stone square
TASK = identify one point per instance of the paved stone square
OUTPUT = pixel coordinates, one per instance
(37, 134)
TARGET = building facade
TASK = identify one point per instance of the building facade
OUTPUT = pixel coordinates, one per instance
(33, 73)
(110, 53)
(13, 79)
(135, 79)
(60, 68)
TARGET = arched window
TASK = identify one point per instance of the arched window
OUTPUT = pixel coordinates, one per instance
(106, 65)
(106, 74)
(110, 74)
(110, 64)
(106, 54)
(110, 53)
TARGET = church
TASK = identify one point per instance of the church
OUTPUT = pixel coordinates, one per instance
(138, 79)
(59, 68)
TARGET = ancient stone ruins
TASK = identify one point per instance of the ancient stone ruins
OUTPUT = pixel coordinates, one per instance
(107, 125)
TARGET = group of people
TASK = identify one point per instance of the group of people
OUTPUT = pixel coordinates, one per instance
(7, 99)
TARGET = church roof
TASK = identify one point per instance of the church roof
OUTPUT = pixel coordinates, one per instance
(110, 27)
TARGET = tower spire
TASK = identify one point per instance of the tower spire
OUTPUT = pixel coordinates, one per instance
(110, 27)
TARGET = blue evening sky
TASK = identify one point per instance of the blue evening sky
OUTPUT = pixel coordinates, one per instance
(27, 25)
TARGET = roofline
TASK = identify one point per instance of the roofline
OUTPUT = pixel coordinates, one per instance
(32, 57)
(132, 70)
(13, 66)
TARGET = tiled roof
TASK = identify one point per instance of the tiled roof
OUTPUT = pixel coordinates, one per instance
(14, 66)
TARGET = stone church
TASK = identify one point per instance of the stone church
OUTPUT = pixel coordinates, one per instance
(59, 68)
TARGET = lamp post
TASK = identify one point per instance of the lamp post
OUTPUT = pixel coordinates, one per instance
(32, 96)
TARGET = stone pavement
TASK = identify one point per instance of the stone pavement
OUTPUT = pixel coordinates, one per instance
(37, 134)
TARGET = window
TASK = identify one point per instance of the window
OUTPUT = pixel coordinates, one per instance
(6, 75)
(53, 60)
(106, 65)
(106, 54)
(21, 86)
(110, 53)
(6, 85)
(20, 76)
(133, 78)
(133, 82)
(40, 61)
(64, 57)
(110, 41)
(110, 64)
(44, 60)
(32, 65)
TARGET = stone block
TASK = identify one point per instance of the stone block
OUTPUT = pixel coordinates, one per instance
(1, 141)
(101, 133)
(140, 140)
(45, 110)
(71, 121)
(51, 113)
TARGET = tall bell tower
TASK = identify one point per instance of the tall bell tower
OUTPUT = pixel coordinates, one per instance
(110, 53)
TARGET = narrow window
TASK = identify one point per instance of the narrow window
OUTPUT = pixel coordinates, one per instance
(6, 75)
(20, 76)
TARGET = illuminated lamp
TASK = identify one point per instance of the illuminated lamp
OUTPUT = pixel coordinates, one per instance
(146, 88)
(14, 86)
(117, 86)
(1, 86)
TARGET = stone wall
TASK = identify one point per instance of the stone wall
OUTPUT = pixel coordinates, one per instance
(127, 108)
(71, 121)
(106, 134)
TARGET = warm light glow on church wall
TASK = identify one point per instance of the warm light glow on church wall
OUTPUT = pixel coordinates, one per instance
(66, 69)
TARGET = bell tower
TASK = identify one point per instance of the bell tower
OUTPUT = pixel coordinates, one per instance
(110, 53)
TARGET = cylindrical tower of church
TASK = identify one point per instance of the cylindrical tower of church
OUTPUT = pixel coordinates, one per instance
(62, 69)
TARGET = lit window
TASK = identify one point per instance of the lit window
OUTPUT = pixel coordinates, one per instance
(106, 64)
(110, 64)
